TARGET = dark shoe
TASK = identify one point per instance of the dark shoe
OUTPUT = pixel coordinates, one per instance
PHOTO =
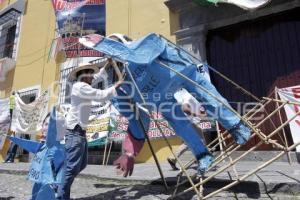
(172, 163)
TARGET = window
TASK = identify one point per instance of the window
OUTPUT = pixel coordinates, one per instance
(29, 96)
(65, 89)
(9, 32)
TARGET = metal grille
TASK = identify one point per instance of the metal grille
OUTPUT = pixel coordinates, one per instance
(65, 85)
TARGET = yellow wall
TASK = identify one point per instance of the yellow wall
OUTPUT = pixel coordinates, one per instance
(136, 18)
(132, 17)
(32, 65)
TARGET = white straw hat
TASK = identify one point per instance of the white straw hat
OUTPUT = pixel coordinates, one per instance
(84, 66)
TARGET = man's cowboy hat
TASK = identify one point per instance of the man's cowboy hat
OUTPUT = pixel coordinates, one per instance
(73, 74)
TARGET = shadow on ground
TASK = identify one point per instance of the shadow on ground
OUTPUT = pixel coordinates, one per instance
(156, 190)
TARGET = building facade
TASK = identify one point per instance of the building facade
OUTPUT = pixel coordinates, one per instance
(28, 30)
(258, 50)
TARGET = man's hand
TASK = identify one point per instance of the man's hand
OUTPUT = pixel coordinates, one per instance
(125, 164)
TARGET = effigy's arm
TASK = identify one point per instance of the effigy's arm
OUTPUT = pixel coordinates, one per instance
(28, 145)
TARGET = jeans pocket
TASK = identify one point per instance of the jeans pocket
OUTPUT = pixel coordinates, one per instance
(68, 142)
(77, 141)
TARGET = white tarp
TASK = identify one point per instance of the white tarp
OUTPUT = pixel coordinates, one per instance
(292, 94)
(4, 120)
(28, 118)
(6, 64)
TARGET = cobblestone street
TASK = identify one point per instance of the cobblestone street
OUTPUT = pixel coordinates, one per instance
(16, 187)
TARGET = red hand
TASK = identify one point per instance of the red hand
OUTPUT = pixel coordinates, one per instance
(125, 163)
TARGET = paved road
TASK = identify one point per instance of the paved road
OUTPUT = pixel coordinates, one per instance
(16, 187)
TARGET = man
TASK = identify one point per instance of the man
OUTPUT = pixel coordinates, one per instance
(82, 96)
(11, 104)
(11, 153)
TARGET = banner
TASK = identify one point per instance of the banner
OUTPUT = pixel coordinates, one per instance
(4, 120)
(78, 18)
(28, 118)
(98, 127)
(292, 94)
(6, 64)
(107, 124)
(119, 127)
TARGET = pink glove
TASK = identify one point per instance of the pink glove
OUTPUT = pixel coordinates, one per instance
(125, 163)
(132, 147)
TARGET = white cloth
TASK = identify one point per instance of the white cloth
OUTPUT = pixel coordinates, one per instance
(100, 76)
(28, 118)
(82, 96)
(6, 64)
(4, 120)
(184, 97)
(4, 110)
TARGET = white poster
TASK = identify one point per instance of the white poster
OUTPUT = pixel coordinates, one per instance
(98, 127)
(28, 118)
(292, 94)
(4, 120)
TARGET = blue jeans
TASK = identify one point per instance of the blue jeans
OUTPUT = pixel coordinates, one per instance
(11, 152)
(146, 60)
(76, 160)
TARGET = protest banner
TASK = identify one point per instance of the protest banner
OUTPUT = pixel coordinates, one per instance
(77, 18)
(28, 118)
(98, 127)
(292, 94)
(4, 120)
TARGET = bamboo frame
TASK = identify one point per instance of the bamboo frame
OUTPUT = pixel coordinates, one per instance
(283, 131)
(233, 147)
(221, 140)
(232, 163)
(264, 139)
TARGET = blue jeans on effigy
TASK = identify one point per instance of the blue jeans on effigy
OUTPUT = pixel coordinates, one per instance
(173, 113)
(76, 160)
(144, 58)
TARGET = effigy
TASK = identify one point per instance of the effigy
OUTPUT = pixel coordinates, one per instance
(154, 66)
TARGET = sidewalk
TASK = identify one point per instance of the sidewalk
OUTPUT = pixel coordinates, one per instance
(278, 178)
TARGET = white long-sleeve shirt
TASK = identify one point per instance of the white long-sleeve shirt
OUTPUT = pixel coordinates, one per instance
(82, 96)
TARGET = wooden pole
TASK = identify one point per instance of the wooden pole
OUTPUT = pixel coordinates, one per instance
(240, 157)
(283, 130)
(109, 151)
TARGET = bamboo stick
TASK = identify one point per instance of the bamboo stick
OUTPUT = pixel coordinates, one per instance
(252, 172)
(283, 130)
(237, 159)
